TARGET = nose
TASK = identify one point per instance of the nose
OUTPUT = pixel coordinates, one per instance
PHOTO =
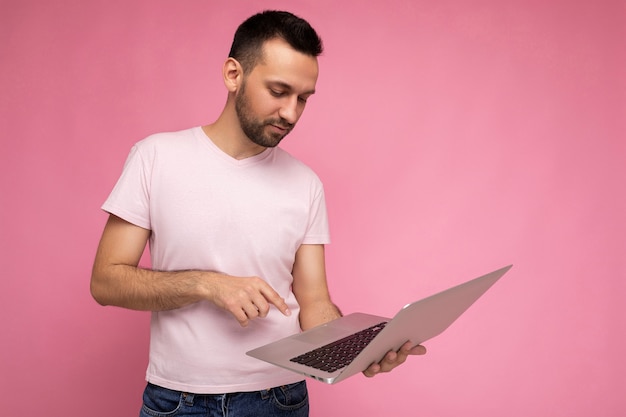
(289, 111)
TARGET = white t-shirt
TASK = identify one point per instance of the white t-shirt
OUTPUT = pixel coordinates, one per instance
(209, 211)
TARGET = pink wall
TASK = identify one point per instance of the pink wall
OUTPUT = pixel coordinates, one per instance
(452, 138)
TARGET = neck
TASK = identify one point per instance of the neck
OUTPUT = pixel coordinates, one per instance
(227, 135)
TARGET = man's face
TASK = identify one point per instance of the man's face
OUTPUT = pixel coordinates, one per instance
(273, 95)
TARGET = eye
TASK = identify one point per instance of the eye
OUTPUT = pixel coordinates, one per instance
(276, 93)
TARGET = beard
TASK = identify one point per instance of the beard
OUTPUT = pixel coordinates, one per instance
(254, 128)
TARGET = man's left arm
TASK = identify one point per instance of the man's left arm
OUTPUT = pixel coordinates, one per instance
(311, 290)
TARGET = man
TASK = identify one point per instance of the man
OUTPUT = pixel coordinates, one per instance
(237, 229)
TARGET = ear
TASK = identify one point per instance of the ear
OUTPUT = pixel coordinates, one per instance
(233, 75)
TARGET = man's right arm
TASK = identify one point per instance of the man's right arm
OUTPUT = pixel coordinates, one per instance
(117, 280)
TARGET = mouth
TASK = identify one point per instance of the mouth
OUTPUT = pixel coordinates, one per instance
(282, 129)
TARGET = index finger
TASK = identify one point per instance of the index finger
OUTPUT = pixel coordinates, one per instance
(273, 297)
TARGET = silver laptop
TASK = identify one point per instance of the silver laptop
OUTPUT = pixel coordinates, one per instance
(348, 345)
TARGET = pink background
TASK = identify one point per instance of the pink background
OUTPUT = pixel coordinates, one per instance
(453, 138)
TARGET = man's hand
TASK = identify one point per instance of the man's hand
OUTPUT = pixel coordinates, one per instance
(245, 298)
(393, 359)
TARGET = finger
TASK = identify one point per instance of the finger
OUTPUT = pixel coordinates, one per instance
(418, 350)
(251, 311)
(406, 348)
(274, 298)
(242, 308)
(241, 317)
(260, 305)
(391, 360)
(372, 370)
(387, 363)
(391, 357)
(409, 349)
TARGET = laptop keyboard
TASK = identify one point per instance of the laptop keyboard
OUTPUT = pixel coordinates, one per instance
(340, 353)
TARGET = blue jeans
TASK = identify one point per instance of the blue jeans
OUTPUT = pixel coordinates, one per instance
(285, 401)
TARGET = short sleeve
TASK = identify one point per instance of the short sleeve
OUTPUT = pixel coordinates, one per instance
(130, 198)
(318, 229)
